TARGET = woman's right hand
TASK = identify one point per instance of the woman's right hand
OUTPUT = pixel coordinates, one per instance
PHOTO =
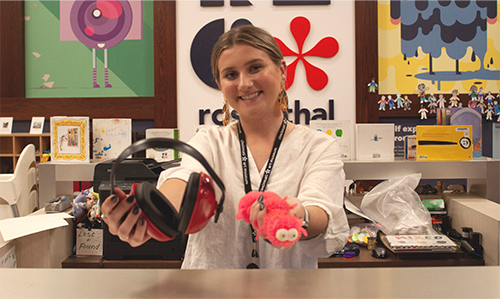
(131, 227)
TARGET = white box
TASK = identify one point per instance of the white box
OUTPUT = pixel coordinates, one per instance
(374, 142)
(340, 130)
(495, 136)
(162, 154)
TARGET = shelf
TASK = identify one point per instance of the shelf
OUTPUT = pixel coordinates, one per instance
(483, 175)
(12, 145)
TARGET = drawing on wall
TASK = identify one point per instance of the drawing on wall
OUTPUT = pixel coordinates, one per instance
(110, 137)
(73, 48)
(445, 45)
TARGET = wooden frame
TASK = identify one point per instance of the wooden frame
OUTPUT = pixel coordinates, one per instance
(162, 107)
(366, 15)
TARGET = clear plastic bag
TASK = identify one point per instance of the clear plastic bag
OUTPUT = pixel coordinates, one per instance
(397, 207)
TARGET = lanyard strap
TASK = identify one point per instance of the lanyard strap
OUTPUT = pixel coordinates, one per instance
(267, 173)
(270, 162)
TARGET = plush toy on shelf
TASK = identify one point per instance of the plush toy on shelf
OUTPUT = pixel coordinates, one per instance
(279, 226)
(86, 206)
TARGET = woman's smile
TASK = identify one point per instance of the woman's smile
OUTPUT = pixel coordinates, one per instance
(250, 96)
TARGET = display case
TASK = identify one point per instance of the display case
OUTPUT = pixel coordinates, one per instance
(12, 145)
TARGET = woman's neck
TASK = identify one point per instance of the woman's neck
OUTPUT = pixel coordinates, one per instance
(266, 127)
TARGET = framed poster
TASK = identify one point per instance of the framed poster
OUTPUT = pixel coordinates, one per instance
(89, 49)
(69, 137)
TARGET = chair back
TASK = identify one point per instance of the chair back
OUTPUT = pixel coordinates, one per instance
(20, 190)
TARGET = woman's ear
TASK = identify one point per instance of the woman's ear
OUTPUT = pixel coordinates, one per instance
(283, 69)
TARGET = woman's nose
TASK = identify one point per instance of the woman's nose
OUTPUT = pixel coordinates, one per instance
(245, 81)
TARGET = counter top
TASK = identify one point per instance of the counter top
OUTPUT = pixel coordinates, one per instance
(444, 282)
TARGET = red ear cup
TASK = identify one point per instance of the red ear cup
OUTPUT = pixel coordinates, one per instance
(162, 218)
(198, 203)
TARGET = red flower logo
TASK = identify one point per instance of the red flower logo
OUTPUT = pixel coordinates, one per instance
(326, 47)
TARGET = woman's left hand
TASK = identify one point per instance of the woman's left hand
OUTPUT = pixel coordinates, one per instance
(258, 212)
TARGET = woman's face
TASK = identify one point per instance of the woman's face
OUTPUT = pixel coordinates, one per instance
(250, 81)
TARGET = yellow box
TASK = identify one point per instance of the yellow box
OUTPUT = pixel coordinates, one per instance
(444, 142)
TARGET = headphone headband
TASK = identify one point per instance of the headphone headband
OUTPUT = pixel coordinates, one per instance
(171, 144)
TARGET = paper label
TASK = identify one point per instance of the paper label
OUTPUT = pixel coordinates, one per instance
(88, 242)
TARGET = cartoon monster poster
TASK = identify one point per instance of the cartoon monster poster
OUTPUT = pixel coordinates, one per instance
(443, 45)
(89, 48)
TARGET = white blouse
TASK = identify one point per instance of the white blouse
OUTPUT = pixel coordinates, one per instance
(307, 167)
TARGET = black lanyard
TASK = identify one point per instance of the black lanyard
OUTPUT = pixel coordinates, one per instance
(267, 172)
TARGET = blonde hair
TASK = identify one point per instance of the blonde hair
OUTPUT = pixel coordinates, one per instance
(245, 34)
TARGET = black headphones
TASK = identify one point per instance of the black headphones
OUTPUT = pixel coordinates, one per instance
(198, 203)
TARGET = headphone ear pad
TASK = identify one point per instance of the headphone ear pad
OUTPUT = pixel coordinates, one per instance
(161, 215)
(188, 201)
(198, 203)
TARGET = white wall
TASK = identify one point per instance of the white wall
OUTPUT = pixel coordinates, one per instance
(335, 20)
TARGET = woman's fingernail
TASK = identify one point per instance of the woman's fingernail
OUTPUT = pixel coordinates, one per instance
(135, 211)
(142, 221)
(261, 202)
(130, 198)
(113, 198)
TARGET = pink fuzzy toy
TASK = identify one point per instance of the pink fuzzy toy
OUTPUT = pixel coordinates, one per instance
(279, 226)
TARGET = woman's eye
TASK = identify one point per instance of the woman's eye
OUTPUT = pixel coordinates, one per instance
(255, 68)
(230, 75)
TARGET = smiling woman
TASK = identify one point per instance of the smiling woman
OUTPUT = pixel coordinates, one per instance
(249, 69)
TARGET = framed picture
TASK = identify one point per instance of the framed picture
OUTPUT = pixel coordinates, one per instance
(37, 125)
(110, 137)
(69, 137)
(6, 125)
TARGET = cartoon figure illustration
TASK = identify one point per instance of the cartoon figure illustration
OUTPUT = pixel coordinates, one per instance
(407, 103)
(422, 24)
(399, 101)
(473, 102)
(489, 112)
(372, 86)
(382, 103)
(473, 91)
(390, 101)
(441, 101)
(454, 100)
(432, 98)
(480, 94)
(482, 106)
(432, 107)
(489, 98)
(420, 91)
(101, 25)
(423, 112)
(496, 108)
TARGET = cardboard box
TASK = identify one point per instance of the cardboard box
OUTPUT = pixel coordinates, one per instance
(411, 147)
(375, 142)
(162, 154)
(446, 142)
(340, 130)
